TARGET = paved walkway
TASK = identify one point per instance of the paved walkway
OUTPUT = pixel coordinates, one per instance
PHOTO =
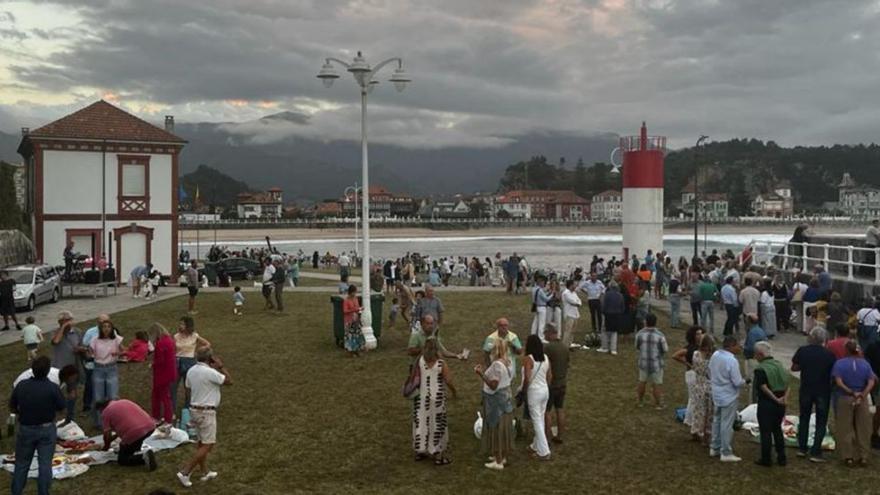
(784, 344)
(84, 306)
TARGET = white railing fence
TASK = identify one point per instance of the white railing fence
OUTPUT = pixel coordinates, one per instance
(848, 260)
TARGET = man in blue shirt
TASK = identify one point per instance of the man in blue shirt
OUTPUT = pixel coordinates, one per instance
(731, 305)
(35, 401)
(540, 298)
(756, 334)
(726, 381)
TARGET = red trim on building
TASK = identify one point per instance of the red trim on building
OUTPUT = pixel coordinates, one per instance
(98, 146)
(72, 217)
(132, 205)
(38, 200)
(131, 229)
(175, 187)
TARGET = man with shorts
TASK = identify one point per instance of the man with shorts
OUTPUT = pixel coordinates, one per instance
(558, 353)
(192, 286)
(652, 348)
(204, 381)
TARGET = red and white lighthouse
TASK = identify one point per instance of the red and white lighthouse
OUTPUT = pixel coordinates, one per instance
(642, 193)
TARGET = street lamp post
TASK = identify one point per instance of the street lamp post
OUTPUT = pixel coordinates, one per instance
(697, 195)
(352, 192)
(364, 76)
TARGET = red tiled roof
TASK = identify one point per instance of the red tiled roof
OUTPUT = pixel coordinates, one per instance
(611, 193)
(101, 120)
(257, 198)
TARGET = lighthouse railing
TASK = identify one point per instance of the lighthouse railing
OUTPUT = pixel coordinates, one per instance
(848, 260)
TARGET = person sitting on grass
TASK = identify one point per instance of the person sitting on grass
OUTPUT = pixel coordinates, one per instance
(138, 350)
(126, 420)
(351, 318)
(32, 335)
(770, 385)
(652, 348)
(237, 301)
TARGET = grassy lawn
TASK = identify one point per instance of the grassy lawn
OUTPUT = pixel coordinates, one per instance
(302, 417)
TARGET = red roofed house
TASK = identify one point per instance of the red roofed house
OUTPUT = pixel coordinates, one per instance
(607, 206)
(101, 173)
(267, 204)
(538, 204)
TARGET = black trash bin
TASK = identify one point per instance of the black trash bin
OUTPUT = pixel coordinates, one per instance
(376, 306)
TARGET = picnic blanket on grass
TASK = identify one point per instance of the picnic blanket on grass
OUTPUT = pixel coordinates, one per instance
(790, 425)
(68, 463)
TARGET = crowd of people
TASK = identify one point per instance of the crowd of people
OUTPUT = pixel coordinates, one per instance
(83, 373)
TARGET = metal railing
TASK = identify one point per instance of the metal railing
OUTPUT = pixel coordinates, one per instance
(838, 259)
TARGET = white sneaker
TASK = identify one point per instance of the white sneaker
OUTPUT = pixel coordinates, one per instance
(209, 476)
(494, 466)
(713, 453)
(729, 458)
(601, 350)
(184, 480)
(613, 353)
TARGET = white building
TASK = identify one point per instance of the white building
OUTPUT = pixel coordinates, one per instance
(858, 200)
(267, 204)
(607, 206)
(101, 173)
(18, 178)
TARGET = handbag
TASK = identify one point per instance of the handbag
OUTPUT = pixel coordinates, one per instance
(413, 382)
(521, 397)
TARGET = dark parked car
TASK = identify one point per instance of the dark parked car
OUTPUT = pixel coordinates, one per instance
(235, 268)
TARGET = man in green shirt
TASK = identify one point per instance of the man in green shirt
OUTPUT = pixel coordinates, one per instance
(417, 341)
(707, 292)
(502, 331)
(558, 354)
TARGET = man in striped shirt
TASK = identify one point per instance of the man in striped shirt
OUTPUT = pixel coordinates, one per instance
(652, 348)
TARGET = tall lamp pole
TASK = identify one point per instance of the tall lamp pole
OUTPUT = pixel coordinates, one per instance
(700, 141)
(364, 76)
(352, 192)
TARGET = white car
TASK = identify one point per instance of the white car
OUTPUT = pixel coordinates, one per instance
(35, 284)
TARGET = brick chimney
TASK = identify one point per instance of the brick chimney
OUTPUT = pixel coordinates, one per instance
(169, 123)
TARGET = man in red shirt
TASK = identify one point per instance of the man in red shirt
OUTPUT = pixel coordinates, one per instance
(132, 425)
(837, 346)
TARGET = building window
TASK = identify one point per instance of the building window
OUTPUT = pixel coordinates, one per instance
(133, 184)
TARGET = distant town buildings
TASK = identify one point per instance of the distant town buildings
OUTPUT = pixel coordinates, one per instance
(607, 206)
(452, 207)
(857, 200)
(537, 204)
(268, 204)
(383, 203)
(777, 203)
(712, 205)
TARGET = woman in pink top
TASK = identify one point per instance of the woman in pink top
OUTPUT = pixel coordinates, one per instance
(105, 350)
(164, 373)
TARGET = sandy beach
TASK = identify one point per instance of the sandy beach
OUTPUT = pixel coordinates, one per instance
(241, 235)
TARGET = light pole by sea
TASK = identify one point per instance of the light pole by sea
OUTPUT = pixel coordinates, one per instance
(364, 75)
(352, 192)
(697, 194)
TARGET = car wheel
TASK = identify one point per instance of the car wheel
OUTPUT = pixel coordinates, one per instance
(32, 303)
(55, 296)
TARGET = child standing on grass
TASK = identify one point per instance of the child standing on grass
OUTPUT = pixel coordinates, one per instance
(238, 301)
(32, 336)
(155, 282)
(392, 316)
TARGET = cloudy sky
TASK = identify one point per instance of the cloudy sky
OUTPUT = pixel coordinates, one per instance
(795, 71)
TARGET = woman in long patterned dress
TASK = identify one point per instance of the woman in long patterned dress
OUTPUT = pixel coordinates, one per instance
(701, 420)
(351, 318)
(430, 433)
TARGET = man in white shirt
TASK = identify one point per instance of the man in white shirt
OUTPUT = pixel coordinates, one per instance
(204, 381)
(594, 289)
(344, 265)
(570, 313)
(869, 321)
(268, 285)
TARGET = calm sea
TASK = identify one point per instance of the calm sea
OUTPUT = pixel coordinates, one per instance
(557, 252)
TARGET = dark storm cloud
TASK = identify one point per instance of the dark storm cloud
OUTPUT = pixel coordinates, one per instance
(797, 71)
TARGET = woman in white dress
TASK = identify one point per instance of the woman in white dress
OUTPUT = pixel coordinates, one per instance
(536, 375)
(430, 434)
